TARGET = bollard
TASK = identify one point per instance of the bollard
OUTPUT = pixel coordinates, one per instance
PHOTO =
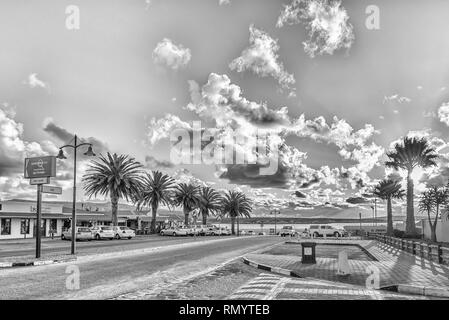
(343, 265)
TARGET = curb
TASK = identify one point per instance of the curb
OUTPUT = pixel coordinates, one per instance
(282, 271)
(33, 263)
(420, 290)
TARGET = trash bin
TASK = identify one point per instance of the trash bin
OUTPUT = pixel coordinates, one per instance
(308, 252)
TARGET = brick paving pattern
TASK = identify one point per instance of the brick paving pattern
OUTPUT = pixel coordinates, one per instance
(272, 287)
(395, 267)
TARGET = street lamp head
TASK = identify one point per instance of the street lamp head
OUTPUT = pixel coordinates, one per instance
(89, 152)
(61, 155)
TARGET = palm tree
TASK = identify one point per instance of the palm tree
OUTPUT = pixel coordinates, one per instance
(407, 155)
(118, 176)
(388, 189)
(157, 188)
(433, 198)
(235, 204)
(187, 196)
(210, 202)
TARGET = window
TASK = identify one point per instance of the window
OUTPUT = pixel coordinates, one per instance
(25, 226)
(5, 226)
(53, 224)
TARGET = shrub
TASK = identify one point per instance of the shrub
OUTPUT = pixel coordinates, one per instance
(398, 233)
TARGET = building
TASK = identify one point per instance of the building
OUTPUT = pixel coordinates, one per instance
(18, 217)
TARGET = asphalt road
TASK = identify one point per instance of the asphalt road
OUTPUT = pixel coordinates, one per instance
(111, 277)
(24, 247)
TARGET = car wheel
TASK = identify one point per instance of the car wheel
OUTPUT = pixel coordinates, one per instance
(336, 234)
(174, 234)
(97, 237)
(316, 234)
(63, 237)
(129, 238)
(117, 237)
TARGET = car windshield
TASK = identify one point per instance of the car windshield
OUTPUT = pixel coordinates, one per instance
(106, 228)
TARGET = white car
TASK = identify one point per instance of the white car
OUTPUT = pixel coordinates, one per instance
(102, 232)
(82, 233)
(322, 230)
(123, 232)
(175, 232)
(287, 231)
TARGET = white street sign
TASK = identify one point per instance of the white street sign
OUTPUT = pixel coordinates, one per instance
(35, 181)
(52, 189)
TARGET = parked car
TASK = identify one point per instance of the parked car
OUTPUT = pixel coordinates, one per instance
(172, 231)
(123, 232)
(82, 233)
(102, 232)
(287, 231)
(322, 230)
(251, 232)
(197, 230)
(262, 233)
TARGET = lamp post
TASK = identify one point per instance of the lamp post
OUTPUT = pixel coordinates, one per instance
(275, 212)
(61, 156)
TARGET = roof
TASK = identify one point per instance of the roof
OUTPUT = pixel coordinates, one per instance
(31, 215)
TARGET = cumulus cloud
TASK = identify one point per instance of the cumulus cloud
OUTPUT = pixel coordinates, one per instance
(443, 113)
(221, 105)
(326, 22)
(171, 55)
(262, 58)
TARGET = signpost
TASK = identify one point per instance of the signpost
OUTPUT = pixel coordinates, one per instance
(39, 170)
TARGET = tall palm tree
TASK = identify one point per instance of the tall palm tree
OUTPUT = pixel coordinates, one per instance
(407, 155)
(157, 188)
(210, 202)
(187, 196)
(235, 204)
(388, 189)
(113, 175)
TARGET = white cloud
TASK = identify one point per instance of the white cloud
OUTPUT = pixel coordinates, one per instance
(261, 58)
(171, 55)
(326, 21)
(159, 129)
(396, 98)
(443, 113)
(223, 2)
(34, 82)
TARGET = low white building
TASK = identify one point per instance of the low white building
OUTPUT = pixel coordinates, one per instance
(18, 219)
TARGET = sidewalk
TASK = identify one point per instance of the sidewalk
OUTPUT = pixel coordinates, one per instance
(395, 267)
(272, 287)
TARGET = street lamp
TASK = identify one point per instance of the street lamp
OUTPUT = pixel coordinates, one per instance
(61, 156)
(275, 212)
(374, 207)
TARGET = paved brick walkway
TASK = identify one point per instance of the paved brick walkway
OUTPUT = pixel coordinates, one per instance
(395, 267)
(272, 287)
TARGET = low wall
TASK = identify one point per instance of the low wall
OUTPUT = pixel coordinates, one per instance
(432, 252)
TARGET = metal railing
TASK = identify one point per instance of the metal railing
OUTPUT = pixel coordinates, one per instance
(432, 252)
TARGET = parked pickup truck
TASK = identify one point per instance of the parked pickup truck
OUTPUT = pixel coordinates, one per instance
(287, 231)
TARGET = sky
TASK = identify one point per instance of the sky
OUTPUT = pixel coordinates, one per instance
(311, 74)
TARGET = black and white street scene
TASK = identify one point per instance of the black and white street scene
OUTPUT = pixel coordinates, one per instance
(224, 150)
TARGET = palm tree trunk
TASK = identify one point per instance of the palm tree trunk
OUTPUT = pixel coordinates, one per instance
(204, 215)
(410, 228)
(233, 225)
(153, 218)
(186, 216)
(389, 218)
(433, 232)
(114, 207)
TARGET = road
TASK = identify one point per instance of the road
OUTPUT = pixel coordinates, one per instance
(112, 277)
(24, 247)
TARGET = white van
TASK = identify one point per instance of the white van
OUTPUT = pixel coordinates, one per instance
(321, 230)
